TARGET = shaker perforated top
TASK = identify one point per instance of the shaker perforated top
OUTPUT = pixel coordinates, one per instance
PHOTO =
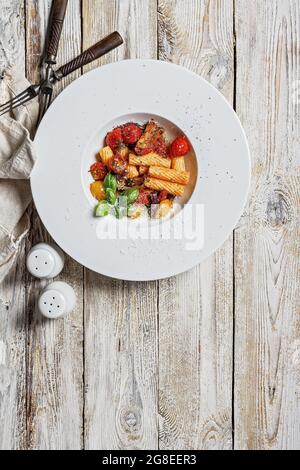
(45, 261)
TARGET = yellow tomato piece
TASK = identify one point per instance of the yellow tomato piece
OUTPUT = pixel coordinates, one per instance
(164, 208)
(97, 190)
(136, 211)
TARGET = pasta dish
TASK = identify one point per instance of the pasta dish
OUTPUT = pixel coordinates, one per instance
(138, 170)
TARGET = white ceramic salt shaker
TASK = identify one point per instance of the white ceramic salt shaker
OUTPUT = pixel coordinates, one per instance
(57, 300)
(45, 261)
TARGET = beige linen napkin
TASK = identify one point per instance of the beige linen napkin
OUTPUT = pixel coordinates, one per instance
(17, 158)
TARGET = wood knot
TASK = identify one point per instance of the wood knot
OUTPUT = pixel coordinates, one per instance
(219, 70)
(131, 421)
(272, 203)
(216, 432)
(277, 210)
(272, 391)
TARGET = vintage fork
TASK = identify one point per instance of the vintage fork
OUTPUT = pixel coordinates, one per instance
(99, 49)
(57, 17)
(45, 88)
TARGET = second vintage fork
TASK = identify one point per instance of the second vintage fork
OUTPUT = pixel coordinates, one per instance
(99, 49)
(56, 21)
(45, 87)
(51, 76)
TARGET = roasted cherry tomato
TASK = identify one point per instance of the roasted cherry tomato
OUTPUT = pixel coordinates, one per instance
(144, 197)
(154, 197)
(161, 147)
(143, 151)
(131, 133)
(98, 171)
(163, 195)
(179, 147)
(114, 138)
(117, 164)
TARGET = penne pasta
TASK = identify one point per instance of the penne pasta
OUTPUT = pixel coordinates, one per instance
(124, 152)
(178, 163)
(175, 176)
(132, 171)
(159, 185)
(106, 154)
(151, 159)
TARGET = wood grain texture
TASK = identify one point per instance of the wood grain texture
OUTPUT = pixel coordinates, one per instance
(55, 349)
(267, 386)
(121, 318)
(195, 309)
(12, 315)
(101, 17)
(13, 359)
(150, 365)
(120, 364)
(12, 39)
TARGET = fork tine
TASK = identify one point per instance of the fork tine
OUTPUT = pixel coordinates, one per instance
(13, 100)
(16, 104)
(44, 105)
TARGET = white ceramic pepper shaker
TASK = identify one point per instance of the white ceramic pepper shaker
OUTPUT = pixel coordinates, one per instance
(57, 300)
(45, 261)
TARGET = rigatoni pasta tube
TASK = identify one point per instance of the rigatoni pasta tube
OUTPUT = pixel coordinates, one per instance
(181, 177)
(132, 171)
(159, 185)
(124, 152)
(106, 154)
(178, 163)
(151, 159)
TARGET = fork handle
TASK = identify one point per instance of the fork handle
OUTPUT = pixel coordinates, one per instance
(98, 50)
(57, 17)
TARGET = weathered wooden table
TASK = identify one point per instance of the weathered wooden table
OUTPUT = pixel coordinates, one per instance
(209, 359)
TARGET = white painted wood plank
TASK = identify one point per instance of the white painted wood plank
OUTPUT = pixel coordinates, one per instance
(13, 359)
(120, 364)
(136, 21)
(196, 308)
(267, 387)
(12, 315)
(121, 317)
(55, 349)
(194, 375)
(12, 39)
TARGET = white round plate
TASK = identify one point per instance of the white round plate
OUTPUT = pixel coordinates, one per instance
(72, 132)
